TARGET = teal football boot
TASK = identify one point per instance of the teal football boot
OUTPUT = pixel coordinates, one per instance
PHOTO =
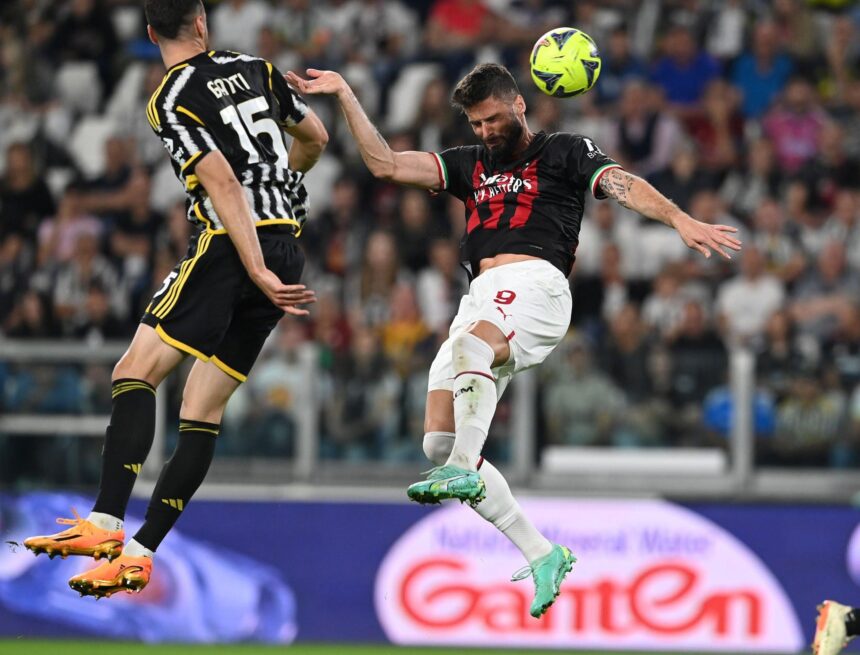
(548, 572)
(446, 483)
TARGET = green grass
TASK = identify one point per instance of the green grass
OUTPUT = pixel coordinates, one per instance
(46, 647)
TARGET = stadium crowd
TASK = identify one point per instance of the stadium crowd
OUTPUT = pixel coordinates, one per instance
(744, 112)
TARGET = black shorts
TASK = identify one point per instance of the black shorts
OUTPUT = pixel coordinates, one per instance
(209, 307)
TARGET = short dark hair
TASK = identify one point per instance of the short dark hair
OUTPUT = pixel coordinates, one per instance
(169, 17)
(484, 81)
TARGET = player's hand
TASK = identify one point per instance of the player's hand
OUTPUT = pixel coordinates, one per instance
(287, 297)
(320, 82)
(705, 237)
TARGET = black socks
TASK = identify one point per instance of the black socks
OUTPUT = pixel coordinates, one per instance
(181, 476)
(127, 442)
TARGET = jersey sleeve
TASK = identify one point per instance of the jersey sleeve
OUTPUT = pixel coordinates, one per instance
(291, 107)
(453, 171)
(182, 131)
(587, 163)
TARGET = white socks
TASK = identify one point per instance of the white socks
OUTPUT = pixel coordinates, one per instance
(474, 398)
(499, 507)
(105, 521)
(134, 549)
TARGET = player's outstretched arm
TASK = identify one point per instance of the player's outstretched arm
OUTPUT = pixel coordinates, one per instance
(214, 173)
(635, 193)
(414, 168)
(309, 140)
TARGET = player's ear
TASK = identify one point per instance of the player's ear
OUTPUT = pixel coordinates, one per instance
(151, 34)
(520, 105)
(200, 26)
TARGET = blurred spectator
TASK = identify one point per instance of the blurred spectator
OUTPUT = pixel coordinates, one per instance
(683, 177)
(842, 350)
(627, 352)
(619, 68)
(759, 178)
(796, 29)
(454, 29)
(404, 331)
(582, 405)
(831, 169)
(58, 236)
(236, 24)
(698, 357)
(85, 32)
(717, 127)
(334, 239)
(415, 229)
(664, 307)
(278, 387)
(746, 302)
(15, 267)
(85, 269)
(379, 274)
(777, 244)
(825, 295)
(300, 28)
(782, 355)
(440, 286)
(359, 416)
(98, 321)
(809, 423)
(809, 224)
(24, 197)
(847, 113)
(644, 138)
(761, 73)
(31, 318)
(684, 71)
(794, 126)
(843, 226)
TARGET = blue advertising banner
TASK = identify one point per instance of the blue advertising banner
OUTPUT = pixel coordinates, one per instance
(652, 575)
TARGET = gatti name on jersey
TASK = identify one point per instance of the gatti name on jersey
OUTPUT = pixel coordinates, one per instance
(532, 205)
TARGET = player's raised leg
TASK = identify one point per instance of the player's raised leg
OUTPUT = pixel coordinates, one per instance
(128, 439)
(549, 563)
(207, 391)
(474, 353)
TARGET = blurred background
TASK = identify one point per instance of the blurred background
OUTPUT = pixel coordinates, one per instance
(704, 381)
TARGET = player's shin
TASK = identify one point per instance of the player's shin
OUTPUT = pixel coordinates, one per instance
(127, 442)
(181, 476)
(474, 399)
(499, 507)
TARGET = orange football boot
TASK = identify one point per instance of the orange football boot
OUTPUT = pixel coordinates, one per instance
(125, 573)
(83, 538)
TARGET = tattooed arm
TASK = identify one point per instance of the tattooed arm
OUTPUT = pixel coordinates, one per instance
(414, 168)
(635, 193)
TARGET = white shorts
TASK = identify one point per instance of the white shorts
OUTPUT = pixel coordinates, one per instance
(528, 301)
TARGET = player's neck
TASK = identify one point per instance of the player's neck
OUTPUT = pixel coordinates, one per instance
(524, 142)
(178, 51)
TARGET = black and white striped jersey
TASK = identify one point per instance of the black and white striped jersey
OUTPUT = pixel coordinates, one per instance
(239, 105)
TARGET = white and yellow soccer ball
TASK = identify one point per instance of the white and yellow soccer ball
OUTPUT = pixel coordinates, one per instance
(565, 62)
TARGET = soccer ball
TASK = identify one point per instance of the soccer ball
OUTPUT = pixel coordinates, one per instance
(565, 62)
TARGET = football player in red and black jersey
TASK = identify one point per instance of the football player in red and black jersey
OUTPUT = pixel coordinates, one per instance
(524, 194)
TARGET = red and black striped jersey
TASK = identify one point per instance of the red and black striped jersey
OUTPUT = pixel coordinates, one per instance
(239, 105)
(531, 206)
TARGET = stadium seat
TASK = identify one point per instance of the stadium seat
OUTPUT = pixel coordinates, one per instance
(125, 98)
(79, 86)
(406, 93)
(87, 144)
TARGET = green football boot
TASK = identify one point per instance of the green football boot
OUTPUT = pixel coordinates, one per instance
(449, 482)
(548, 573)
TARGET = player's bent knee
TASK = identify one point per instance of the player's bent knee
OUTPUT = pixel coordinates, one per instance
(471, 353)
(438, 446)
